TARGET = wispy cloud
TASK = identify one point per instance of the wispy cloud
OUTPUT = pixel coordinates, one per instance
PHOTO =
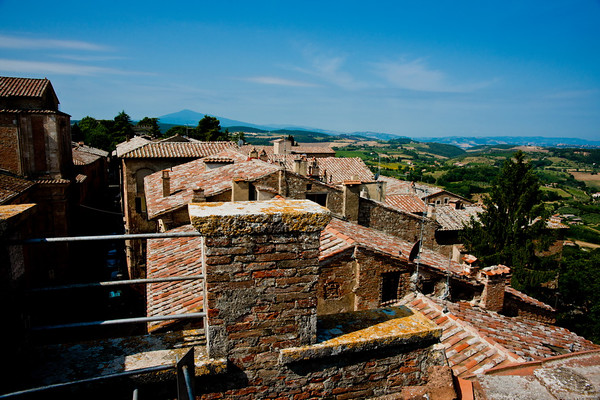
(13, 42)
(88, 58)
(332, 69)
(61, 68)
(273, 80)
(418, 76)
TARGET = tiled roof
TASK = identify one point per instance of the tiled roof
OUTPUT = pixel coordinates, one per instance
(193, 175)
(340, 235)
(12, 186)
(22, 87)
(476, 340)
(341, 169)
(52, 181)
(165, 260)
(89, 149)
(308, 150)
(130, 145)
(397, 186)
(406, 202)
(83, 157)
(32, 111)
(451, 219)
(528, 299)
(176, 149)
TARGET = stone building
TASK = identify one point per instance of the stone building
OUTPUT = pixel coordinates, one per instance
(139, 158)
(35, 147)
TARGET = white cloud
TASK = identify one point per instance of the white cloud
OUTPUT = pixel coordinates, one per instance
(272, 80)
(60, 68)
(12, 42)
(416, 75)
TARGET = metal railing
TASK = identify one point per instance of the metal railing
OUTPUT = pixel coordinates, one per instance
(185, 366)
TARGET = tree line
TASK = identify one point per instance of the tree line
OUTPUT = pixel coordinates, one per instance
(106, 134)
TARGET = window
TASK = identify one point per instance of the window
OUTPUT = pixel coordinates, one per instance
(390, 282)
(319, 198)
(446, 199)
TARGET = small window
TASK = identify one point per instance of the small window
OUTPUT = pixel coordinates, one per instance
(309, 186)
(438, 202)
(446, 199)
(138, 205)
(319, 198)
(390, 282)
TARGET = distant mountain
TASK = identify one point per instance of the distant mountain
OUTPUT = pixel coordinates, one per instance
(189, 117)
(466, 142)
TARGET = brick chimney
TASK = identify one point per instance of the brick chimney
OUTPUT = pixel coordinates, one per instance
(351, 199)
(261, 262)
(166, 183)
(494, 281)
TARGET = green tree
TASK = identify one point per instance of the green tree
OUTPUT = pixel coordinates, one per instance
(512, 227)
(150, 126)
(579, 288)
(209, 129)
(122, 129)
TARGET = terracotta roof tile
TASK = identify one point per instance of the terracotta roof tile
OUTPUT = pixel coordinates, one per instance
(164, 259)
(451, 219)
(193, 175)
(174, 149)
(22, 87)
(382, 242)
(477, 339)
(406, 202)
(12, 186)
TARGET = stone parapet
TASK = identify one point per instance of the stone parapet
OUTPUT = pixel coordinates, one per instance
(253, 217)
(360, 331)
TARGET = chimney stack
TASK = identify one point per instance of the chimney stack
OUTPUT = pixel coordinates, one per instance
(351, 196)
(198, 196)
(494, 281)
(166, 183)
(301, 166)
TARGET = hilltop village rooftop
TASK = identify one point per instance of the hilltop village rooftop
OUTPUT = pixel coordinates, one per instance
(262, 336)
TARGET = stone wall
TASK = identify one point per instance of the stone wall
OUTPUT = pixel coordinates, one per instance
(353, 281)
(406, 226)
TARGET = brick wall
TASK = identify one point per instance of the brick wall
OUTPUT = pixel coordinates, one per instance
(9, 149)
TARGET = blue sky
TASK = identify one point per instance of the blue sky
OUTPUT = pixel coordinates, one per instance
(412, 68)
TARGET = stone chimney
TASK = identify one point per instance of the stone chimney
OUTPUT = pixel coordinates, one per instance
(240, 189)
(261, 266)
(166, 183)
(494, 281)
(431, 211)
(314, 169)
(301, 166)
(253, 153)
(281, 146)
(263, 156)
(198, 196)
(351, 200)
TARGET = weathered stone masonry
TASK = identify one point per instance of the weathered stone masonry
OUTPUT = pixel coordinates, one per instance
(261, 266)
